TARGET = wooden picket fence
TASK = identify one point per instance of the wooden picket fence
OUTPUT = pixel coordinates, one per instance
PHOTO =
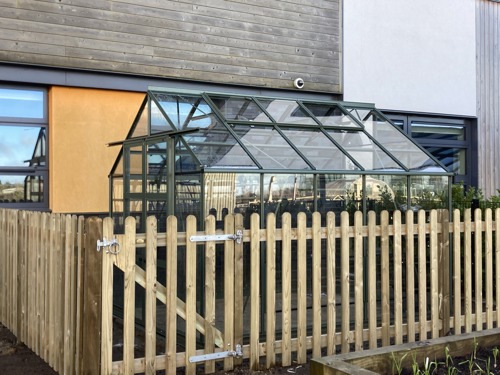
(282, 294)
(40, 291)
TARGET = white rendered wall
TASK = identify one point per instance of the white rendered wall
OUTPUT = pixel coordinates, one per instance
(411, 55)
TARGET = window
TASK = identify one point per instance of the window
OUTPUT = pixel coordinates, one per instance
(23, 147)
(449, 139)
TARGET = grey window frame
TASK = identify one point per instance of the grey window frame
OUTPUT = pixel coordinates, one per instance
(469, 144)
(26, 171)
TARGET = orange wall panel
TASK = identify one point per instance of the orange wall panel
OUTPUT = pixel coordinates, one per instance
(81, 124)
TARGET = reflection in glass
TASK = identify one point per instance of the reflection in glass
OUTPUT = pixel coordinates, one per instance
(408, 153)
(386, 192)
(158, 121)
(319, 150)
(429, 192)
(269, 148)
(216, 147)
(452, 158)
(240, 109)
(21, 188)
(187, 197)
(330, 115)
(339, 192)
(157, 167)
(362, 149)
(186, 112)
(22, 146)
(135, 169)
(286, 112)
(28, 104)
(448, 132)
(292, 193)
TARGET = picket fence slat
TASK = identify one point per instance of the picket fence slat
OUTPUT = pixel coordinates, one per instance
(419, 276)
(270, 291)
(171, 297)
(210, 307)
(372, 280)
(344, 281)
(410, 279)
(330, 280)
(457, 275)
(488, 261)
(496, 280)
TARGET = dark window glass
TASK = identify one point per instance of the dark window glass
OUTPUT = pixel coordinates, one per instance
(438, 131)
(452, 158)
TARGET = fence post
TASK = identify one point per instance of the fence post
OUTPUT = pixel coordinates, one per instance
(444, 266)
(90, 360)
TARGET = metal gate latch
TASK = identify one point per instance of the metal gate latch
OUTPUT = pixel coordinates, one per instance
(112, 246)
(238, 353)
(219, 237)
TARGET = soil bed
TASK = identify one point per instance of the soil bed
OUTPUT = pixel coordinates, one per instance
(483, 361)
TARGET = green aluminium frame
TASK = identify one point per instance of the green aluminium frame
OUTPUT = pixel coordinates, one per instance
(187, 151)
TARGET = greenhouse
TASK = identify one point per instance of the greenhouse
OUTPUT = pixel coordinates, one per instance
(201, 153)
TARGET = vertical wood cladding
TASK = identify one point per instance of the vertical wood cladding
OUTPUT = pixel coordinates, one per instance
(488, 94)
(249, 42)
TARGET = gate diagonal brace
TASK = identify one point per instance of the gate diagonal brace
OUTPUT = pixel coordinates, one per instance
(238, 353)
(218, 237)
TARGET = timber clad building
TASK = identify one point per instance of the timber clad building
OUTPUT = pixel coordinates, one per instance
(74, 75)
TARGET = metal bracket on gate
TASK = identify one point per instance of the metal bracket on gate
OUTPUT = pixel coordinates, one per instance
(219, 237)
(112, 246)
(238, 353)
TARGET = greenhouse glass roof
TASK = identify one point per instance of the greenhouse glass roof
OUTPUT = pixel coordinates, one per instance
(223, 132)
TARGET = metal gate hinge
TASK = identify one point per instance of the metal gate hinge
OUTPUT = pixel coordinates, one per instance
(238, 353)
(112, 246)
(219, 237)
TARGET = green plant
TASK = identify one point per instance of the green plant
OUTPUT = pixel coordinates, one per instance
(397, 363)
(495, 352)
(471, 361)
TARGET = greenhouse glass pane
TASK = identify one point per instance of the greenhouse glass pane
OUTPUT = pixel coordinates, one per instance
(220, 194)
(386, 192)
(216, 147)
(319, 150)
(140, 127)
(291, 193)
(362, 149)
(158, 121)
(339, 192)
(429, 192)
(408, 153)
(286, 111)
(188, 196)
(184, 160)
(185, 112)
(135, 169)
(269, 148)
(157, 167)
(331, 115)
(240, 109)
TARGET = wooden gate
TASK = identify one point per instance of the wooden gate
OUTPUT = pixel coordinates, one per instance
(168, 306)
